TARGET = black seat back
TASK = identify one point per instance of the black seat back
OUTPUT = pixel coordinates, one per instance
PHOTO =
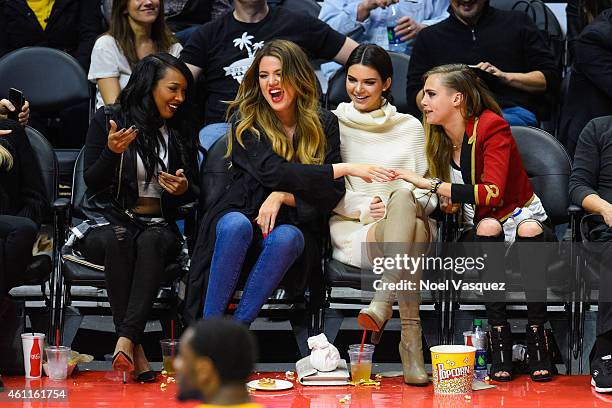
(49, 79)
(548, 167)
(336, 88)
(78, 186)
(544, 19)
(47, 161)
(214, 177)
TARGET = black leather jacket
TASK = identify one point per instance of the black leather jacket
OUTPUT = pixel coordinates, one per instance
(112, 178)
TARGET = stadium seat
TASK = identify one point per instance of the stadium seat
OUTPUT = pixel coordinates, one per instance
(51, 81)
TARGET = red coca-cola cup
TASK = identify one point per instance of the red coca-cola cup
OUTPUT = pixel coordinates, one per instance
(33, 345)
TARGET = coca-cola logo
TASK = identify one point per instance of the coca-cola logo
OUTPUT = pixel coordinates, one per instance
(35, 356)
(453, 372)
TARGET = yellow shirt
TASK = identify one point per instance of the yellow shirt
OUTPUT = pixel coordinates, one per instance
(245, 405)
(42, 9)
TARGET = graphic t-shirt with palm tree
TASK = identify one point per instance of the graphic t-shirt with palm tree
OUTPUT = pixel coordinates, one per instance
(225, 48)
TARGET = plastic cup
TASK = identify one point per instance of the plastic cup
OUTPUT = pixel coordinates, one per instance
(361, 362)
(57, 362)
(467, 338)
(33, 346)
(170, 349)
(452, 367)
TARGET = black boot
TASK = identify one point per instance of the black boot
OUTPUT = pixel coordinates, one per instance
(500, 342)
(538, 352)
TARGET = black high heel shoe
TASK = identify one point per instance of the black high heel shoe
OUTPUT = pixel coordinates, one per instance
(122, 362)
(147, 376)
(538, 350)
(500, 341)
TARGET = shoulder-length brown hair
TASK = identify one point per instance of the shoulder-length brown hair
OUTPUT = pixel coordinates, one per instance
(254, 114)
(476, 98)
(121, 31)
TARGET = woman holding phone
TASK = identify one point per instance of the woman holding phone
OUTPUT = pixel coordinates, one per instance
(140, 165)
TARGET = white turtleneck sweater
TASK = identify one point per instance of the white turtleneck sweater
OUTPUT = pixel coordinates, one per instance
(385, 138)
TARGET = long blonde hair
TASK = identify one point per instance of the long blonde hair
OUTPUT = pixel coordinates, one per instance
(6, 158)
(255, 114)
(476, 98)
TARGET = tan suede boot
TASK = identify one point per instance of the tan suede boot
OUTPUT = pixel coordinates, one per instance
(411, 345)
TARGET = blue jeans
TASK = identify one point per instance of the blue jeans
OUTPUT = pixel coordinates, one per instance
(517, 116)
(209, 134)
(234, 236)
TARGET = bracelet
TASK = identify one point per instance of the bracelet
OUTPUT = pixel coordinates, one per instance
(435, 184)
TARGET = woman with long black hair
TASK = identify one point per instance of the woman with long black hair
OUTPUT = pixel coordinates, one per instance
(140, 166)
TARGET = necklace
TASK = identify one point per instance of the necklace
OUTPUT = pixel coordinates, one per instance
(455, 147)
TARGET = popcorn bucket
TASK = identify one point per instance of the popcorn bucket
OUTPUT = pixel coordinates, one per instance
(452, 367)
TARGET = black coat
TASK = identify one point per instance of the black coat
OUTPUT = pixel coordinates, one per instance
(72, 27)
(21, 190)
(257, 171)
(103, 168)
(590, 89)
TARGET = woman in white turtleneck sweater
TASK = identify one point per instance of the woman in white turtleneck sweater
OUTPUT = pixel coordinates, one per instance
(394, 212)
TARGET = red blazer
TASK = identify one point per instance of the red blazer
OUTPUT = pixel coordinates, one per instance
(499, 183)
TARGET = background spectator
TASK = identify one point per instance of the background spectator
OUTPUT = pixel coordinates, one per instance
(223, 50)
(591, 187)
(205, 366)
(68, 25)
(137, 29)
(367, 21)
(590, 88)
(579, 14)
(519, 67)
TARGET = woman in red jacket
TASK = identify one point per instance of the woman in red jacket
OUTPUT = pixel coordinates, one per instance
(474, 161)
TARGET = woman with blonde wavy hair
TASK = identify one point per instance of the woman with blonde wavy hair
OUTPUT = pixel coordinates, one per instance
(286, 179)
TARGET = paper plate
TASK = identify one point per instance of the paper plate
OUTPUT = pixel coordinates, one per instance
(278, 386)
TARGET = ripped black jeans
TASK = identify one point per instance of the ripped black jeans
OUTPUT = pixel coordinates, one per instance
(133, 268)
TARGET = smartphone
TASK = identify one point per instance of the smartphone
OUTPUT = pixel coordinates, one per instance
(15, 96)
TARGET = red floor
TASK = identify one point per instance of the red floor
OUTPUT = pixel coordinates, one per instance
(102, 389)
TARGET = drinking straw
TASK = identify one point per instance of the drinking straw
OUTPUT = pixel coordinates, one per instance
(172, 337)
(57, 343)
(362, 343)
